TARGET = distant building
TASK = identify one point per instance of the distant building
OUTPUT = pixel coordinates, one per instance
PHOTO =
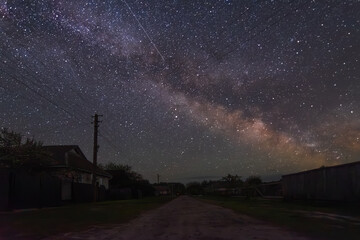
(162, 190)
(336, 183)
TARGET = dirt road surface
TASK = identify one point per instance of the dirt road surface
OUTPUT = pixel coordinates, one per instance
(186, 218)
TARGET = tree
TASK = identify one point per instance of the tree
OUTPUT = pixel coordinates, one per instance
(253, 181)
(125, 177)
(232, 181)
(124, 173)
(17, 152)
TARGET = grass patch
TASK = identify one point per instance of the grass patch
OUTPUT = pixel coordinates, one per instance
(315, 220)
(36, 224)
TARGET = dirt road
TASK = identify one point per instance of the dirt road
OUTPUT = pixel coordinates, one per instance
(186, 218)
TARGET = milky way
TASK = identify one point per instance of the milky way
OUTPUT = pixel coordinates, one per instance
(187, 89)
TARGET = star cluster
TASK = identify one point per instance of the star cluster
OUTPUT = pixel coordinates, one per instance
(187, 89)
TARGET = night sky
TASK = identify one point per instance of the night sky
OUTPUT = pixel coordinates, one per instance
(188, 89)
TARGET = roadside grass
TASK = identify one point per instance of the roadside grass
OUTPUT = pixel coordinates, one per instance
(39, 223)
(317, 220)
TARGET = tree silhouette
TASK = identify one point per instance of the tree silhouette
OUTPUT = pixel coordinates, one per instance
(232, 180)
(124, 177)
(124, 173)
(16, 152)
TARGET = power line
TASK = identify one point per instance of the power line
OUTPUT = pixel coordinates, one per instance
(29, 77)
(40, 87)
(39, 74)
(46, 98)
(39, 94)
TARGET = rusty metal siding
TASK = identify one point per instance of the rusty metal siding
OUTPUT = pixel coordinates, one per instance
(339, 183)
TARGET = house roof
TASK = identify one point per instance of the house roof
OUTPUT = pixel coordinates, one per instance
(71, 156)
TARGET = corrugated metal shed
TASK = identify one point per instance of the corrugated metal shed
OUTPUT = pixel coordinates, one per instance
(336, 183)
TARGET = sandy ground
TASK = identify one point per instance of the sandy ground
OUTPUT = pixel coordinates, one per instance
(187, 219)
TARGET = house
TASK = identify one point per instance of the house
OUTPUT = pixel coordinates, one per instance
(66, 176)
(336, 183)
(69, 164)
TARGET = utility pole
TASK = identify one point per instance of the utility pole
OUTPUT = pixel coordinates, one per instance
(158, 178)
(95, 150)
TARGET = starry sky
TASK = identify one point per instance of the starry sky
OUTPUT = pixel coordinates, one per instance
(191, 90)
